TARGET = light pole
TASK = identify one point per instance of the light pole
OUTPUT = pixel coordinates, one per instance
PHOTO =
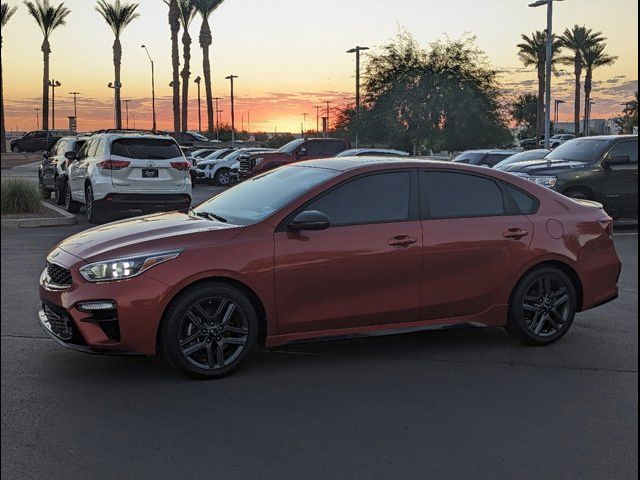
(153, 87)
(53, 84)
(75, 105)
(327, 129)
(588, 122)
(318, 107)
(556, 118)
(547, 93)
(126, 109)
(217, 99)
(233, 119)
(37, 110)
(357, 51)
(197, 81)
(304, 122)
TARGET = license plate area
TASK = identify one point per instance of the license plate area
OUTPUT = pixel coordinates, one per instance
(149, 173)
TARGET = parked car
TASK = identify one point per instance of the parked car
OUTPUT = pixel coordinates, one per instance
(127, 171)
(203, 152)
(368, 152)
(193, 164)
(36, 141)
(314, 250)
(294, 151)
(52, 173)
(557, 140)
(486, 158)
(603, 168)
(193, 140)
(523, 156)
(217, 170)
(201, 173)
(233, 172)
(530, 143)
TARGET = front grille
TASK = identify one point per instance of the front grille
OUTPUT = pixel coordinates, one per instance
(58, 276)
(245, 165)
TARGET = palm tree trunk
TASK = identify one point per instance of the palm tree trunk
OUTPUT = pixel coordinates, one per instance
(186, 53)
(540, 109)
(577, 70)
(3, 138)
(46, 51)
(205, 41)
(587, 100)
(117, 60)
(174, 23)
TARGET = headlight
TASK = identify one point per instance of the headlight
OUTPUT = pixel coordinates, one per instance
(123, 268)
(259, 160)
(545, 181)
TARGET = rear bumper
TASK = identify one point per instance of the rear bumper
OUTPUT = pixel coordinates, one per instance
(177, 201)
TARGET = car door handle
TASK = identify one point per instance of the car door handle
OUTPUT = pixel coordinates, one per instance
(515, 233)
(401, 241)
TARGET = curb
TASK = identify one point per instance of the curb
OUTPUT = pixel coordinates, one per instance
(66, 219)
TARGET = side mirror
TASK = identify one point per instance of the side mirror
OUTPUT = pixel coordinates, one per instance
(310, 220)
(45, 154)
(302, 151)
(619, 159)
(71, 156)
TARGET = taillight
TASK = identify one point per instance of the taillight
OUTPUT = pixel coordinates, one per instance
(607, 225)
(114, 164)
(182, 166)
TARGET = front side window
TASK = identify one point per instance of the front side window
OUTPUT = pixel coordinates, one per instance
(83, 151)
(457, 195)
(626, 148)
(377, 198)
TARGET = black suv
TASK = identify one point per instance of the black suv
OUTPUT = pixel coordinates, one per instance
(192, 140)
(36, 141)
(603, 168)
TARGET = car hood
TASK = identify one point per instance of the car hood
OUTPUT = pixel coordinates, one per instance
(147, 233)
(542, 166)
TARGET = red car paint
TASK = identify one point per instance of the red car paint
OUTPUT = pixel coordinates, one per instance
(346, 280)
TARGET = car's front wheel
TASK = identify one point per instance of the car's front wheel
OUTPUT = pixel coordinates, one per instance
(16, 148)
(209, 330)
(94, 210)
(223, 177)
(542, 307)
(69, 203)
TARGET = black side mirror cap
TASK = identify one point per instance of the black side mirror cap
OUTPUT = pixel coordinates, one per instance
(71, 156)
(310, 220)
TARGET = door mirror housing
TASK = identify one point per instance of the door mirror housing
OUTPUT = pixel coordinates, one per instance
(310, 220)
(45, 154)
(302, 152)
(71, 156)
(617, 159)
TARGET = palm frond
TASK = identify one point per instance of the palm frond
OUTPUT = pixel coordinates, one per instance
(206, 7)
(117, 14)
(7, 12)
(46, 15)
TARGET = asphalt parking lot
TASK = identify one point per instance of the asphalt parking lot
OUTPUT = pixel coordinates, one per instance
(466, 403)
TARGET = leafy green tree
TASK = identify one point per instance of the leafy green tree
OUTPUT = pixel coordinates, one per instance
(117, 15)
(48, 18)
(533, 53)
(7, 12)
(524, 112)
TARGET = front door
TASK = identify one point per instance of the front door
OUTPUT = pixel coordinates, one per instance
(620, 182)
(364, 269)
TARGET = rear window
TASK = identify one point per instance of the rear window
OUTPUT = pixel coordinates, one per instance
(146, 148)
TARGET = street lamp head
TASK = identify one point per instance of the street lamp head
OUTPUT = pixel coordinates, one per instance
(197, 79)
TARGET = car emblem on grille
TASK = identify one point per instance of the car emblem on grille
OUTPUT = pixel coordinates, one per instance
(151, 164)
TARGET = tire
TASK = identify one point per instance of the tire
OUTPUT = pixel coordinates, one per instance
(194, 336)
(577, 194)
(222, 178)
(69, 203)
(16, 149)
(542, 307)
(44, 191)
(60, 190)
(93, 209)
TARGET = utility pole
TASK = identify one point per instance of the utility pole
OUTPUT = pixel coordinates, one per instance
(153, 87)
(37, 118)
(126, 108)
(197, 81)
(556, 117)
(304, 122)
(217, 99)
(318, 119)
(357, 51)
(233, 118)
(327, 129)
(53, 84)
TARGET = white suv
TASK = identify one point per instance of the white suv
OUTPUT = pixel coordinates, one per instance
(216, 168)
(116, 171)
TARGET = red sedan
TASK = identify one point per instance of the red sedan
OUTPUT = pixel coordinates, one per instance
(331, 248)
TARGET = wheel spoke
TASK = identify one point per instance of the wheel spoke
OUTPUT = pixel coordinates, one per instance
(221, 307)
(210, 360)
(195, 320)
(206, 317)
(238, 330)
(547, 285)
(227, 315)
(235, 340)
(561, 301)
(189, 339)
(555, 319)
(529, 308)
(538, 323)
(194, 348)
(220, 354)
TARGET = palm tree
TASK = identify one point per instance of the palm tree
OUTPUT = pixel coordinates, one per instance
(533, 53)
(576, 40)
(48, 19)
(205, 9)
(187, 13)
(174, 24)
(117, 15)
(7, 12)
(593, 57)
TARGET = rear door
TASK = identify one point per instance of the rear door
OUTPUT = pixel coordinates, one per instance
(474, 240)
(142, 164)
(620, 182)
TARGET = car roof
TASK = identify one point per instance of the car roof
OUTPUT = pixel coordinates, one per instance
(357, 151)
(489, 150)
(350, 163)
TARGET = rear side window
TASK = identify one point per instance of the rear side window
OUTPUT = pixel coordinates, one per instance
(375, 198)
(494, 158)
(456, 195)
(525, 204)
(146, 148)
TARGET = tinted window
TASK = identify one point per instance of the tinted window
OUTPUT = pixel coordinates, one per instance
(626, 148)
(331, 148)
(372, 199)
(494, 158)
(524, 202)
(314, 149)
(146, 148)
(469, 157)
(451, 195)
(79, 145)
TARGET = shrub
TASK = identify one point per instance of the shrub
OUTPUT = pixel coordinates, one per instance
(20, 196)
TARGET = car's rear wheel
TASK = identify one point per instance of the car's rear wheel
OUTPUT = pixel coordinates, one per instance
(69, 203)
(94, 210)
(542, 307)
(209, 330)
(16, 149)
(223, 177)
(577, 194)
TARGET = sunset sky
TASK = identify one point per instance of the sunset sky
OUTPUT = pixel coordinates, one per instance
(290, 55)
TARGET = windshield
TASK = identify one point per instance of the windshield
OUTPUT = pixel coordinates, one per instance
(199, 137)
(291, 146)
(580, 150)
(257, 198)
(523, 156)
